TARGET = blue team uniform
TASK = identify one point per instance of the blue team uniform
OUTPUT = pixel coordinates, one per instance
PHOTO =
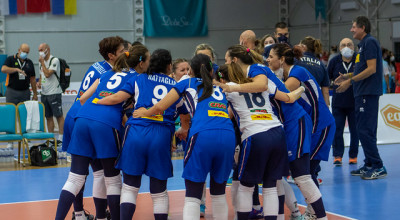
(95, 124)
(296, 122)
(323, 123)
(211, 139)
(315, 67)
(147, 142)
(366, 94)
(94, 72)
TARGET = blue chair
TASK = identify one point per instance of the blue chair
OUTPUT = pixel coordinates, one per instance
(39, 135)
(8, 125)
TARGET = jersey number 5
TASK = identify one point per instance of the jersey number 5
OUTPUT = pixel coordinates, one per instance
(115, 80)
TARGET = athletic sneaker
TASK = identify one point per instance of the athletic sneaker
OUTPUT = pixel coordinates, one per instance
(300, 217)
(309, 216)
(87, 214)
(202, 210)
(319, 181)
(256, 214)
(337, 161)
(360, 171)
(376, 173)
(289, 179)
(353, 160)
(229, 182)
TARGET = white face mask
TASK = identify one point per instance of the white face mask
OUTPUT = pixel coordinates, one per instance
(347, 52)
(42, 53)
(391, 58)
(23, 55)
(279, 73)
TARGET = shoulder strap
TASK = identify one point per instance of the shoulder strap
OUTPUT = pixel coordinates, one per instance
(55, 72)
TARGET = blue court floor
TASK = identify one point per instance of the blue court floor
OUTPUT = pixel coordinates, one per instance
(342, 193)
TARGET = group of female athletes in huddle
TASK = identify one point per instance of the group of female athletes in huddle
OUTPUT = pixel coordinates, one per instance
(277, 132)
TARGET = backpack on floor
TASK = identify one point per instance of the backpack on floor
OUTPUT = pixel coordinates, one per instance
(42, 155)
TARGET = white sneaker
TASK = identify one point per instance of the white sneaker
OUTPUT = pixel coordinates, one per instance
(300, 217)
(309, 216)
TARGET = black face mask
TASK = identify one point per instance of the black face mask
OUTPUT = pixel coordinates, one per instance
(283, 39)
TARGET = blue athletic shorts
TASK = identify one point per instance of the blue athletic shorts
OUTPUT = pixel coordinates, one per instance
(321, 142)
(298, 137)
(263, 157)
(68, 127)
(94, 139)
(209, 151)
(147, 150)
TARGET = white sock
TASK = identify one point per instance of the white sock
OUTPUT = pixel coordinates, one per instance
(309, 190)
(234, 189)
(220, 207)
(290, 199)
(160, 202)
(257, 207)
(270, 201)
(281, 193)
(191, 209)
(203, 197)
(129, 194)
(99, 186)
(80, 215)
(244, 198)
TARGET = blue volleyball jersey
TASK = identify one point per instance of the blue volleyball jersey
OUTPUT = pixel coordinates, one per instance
(148, 90)
(110, 83)
(315, 67)
(94, 72)
(210, 113)
(312, 100)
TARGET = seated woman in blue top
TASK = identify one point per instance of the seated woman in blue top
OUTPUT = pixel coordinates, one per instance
(211, 139)
(323, 123)
(95, 134)
(147, 142)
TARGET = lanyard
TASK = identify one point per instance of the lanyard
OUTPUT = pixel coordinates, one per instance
(23, 64)
(347, 68)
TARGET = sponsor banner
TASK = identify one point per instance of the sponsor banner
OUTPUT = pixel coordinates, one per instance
(175, 18)
(388, 121)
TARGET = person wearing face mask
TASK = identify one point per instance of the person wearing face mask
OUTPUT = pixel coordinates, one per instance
(282, 33)
(343, 103)
(20, 74)
(51, 89)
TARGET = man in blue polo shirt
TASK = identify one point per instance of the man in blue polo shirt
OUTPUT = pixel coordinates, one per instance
(367, 87)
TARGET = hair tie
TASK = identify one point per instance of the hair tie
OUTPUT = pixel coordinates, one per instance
(127, 53)
(248, 50)
(220, 74)
(211, 64)
(140, 59)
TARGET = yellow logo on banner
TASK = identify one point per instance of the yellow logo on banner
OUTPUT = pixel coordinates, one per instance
(261, 117)
(156, 118)
(217, 114)
(391, 116)
(95, 100)
(358, 58)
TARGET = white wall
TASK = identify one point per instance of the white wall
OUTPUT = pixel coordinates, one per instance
(75, 38)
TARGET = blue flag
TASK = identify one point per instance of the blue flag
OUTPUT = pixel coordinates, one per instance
(175, 18)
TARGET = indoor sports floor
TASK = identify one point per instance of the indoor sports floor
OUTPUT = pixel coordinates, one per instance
(31, 193)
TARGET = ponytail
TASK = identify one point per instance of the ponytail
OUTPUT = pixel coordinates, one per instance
(246, 55)
(131, 58)
(202, 68)
(236, 75)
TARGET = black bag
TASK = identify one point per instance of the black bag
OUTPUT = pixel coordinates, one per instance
(42, 155)
(65, 74)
